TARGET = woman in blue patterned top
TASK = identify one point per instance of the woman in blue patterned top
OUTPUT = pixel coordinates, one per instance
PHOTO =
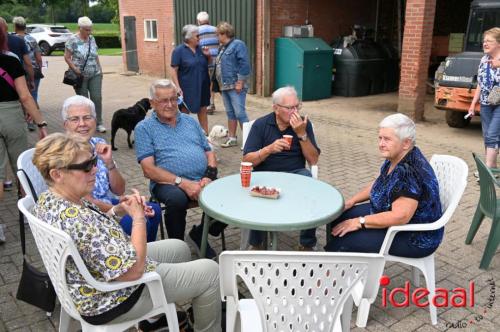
(488, 76)
(406, 191)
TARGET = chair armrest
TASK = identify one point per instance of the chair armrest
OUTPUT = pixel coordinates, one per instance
(393, 230)
(116, 285)
(495, 170)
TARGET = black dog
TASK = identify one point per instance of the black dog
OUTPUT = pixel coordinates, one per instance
(127, 119)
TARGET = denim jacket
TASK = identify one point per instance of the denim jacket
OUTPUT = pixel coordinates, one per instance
(234, 64)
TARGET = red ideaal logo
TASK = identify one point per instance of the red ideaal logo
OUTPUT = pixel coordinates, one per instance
(419, 296)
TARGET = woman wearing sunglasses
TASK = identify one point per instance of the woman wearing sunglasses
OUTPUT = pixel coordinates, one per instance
(68, 165)
(78, 114)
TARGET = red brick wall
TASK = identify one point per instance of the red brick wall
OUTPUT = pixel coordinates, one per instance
(153, 56)
(329, 18)
(417, 41)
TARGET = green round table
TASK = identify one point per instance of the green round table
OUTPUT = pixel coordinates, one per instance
(304, 203)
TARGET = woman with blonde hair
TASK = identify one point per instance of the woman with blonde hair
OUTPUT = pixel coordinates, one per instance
(488, 77)
(68, 165)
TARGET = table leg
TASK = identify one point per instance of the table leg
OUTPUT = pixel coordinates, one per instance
(274, 245)
(204, 238)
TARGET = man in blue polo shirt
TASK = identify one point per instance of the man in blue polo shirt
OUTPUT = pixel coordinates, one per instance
(267, 150)
(208, 38)
(175, 155)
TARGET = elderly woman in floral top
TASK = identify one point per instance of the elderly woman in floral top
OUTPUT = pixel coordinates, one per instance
(68, 165)
(78, 114)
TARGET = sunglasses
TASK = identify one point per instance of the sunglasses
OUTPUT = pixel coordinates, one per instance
(85, 166)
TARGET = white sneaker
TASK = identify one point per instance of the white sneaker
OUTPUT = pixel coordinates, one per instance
(101, 128)
(231, 141)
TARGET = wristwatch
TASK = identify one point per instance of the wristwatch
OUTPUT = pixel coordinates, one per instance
(178, 181)
(362, 221)
(42, 124)
(303, 138)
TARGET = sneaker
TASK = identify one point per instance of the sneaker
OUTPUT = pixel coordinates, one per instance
(8, 185)
(101, 128)
(31, 126)
(194, 238)
(231, 141)
(300, 247)
(2, 235)
(161, 323)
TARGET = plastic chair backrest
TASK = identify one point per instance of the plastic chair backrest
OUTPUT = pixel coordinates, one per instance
(487, 188)
(55, 247)
(25, 163)
(451, 173)
(297, 291)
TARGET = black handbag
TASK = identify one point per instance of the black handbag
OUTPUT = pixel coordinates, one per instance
(38, 73)
(72, 78)
(215, 83)
(35, 286)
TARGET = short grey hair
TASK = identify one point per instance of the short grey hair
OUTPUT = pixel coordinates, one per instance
(161, 84)
(19, 22)
(202, 17)
(77, 100)
(282, 92)
(84, 21)
(188, 31)
(403, 126)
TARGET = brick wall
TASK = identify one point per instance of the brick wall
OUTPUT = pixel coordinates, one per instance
(417, 40)
(153, 56)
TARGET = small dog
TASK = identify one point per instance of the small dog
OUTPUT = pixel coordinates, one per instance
(127, 119)
(217, 133)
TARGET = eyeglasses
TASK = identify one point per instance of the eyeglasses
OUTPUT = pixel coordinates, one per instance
(489, 41)
(167, 102)
(87, 29)
(85, 166)
(77, 119)
(297, 107)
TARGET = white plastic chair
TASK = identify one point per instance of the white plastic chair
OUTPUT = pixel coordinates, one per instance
(25, 163)
(451, 173)
(56, 247)
(296, 291)
(245, 232)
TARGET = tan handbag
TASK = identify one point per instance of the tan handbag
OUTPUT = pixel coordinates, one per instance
(494, 96)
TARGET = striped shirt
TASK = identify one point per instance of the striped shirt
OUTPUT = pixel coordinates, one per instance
(208, 38)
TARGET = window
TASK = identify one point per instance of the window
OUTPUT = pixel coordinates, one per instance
(150, 31)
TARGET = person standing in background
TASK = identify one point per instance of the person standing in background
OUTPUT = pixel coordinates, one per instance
(209, 40)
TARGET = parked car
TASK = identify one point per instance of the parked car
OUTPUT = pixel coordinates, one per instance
(49, 37)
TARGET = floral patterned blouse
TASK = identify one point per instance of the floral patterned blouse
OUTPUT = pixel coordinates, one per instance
(487, 77)
(79, 49)
(104, 247)
(413, 177)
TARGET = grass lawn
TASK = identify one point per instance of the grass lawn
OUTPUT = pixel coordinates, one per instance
(102, 51)
(98, 28)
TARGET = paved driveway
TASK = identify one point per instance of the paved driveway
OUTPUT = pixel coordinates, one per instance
(346, 129)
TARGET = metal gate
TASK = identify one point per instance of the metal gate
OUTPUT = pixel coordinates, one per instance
(130, 43)
(240, 13)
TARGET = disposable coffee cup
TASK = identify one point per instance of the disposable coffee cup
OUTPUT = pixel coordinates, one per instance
(288, 140)
(246, 174)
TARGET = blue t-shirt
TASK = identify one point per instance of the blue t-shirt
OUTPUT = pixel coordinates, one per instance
(265, 131)
(181, 150)
(17, 46)
(102, 189)
(413, 177)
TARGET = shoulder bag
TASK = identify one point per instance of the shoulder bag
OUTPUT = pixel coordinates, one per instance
(72, 78)
(494, 95)
(35, 286)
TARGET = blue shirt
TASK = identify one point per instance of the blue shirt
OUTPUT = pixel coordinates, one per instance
(208, 38)
(413, 177)
(265, 131)
(181, 150)
(102, 189)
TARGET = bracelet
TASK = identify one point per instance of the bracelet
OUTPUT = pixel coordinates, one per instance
(139, 221)
(112, 212)
(112, 167)
(42, 124)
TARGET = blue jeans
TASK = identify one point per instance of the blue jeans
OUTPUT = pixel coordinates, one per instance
(490, 122)
(234, 103)
(370, 240)
(152, 223)
(307, 236)
(34, 93)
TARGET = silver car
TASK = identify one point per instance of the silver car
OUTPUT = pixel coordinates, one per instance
(49, 37)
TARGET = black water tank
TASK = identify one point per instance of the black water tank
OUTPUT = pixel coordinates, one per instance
(363, 68)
